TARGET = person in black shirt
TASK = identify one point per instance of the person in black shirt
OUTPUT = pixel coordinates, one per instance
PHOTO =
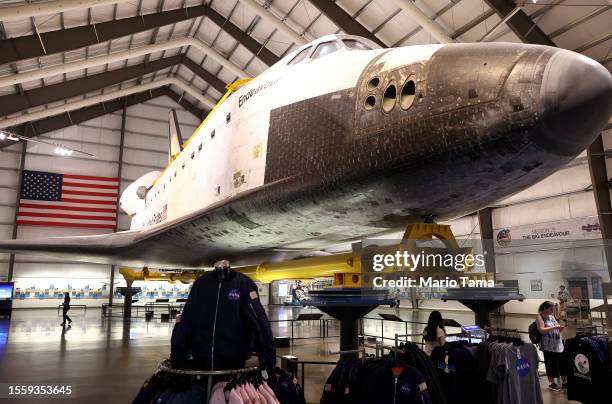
(65, 309)
(434, 333)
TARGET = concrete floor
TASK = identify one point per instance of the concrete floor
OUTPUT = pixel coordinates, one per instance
(110, 359)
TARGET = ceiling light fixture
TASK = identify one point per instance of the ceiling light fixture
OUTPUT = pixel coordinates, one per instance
(62, 151)
(7, 136)
(58, 149)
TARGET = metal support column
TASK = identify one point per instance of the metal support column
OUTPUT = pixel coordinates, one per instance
(485, 221)
(601, 191)
(24, 147)
(119, 174)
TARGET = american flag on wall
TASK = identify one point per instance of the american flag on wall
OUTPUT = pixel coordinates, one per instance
(67, 200)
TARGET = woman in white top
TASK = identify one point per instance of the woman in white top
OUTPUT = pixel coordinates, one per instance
(434, 334)
(552, 345)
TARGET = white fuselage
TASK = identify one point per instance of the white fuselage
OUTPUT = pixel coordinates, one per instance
(226, 155)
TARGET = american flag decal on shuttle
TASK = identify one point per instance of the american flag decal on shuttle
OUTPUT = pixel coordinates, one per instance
(67, 200)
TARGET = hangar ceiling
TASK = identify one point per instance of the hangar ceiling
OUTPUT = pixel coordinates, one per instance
(78, 54)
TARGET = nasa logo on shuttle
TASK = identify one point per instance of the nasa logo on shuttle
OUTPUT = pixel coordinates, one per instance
(252, 92)
(503, 237)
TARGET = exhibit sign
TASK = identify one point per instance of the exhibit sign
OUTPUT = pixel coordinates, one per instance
(571, 229)
(28, 288)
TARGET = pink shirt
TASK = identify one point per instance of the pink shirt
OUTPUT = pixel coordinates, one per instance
(244, 395)
(234, 398)
(218, 395)
(270, 399)
(270, 391)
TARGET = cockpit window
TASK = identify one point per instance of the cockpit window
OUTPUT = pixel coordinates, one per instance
(353, 44)
(300, 56)
(325, 49)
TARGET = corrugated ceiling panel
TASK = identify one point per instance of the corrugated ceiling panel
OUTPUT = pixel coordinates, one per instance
(242, 15)
(126, 9)
(48, 22)
(102, 13)
(322, 26)
(462, 13)
(224, 7)
(241, 56)
(256, 67)
(208, 31)
(596, 28)
(397, 28)
(295, 21)
(18, 27)
(376, 13)
(75, 18)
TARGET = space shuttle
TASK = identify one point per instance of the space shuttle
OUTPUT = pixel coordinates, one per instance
(342, 140)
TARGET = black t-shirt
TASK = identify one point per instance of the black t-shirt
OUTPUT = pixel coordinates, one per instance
(456, 366)
(588, 375)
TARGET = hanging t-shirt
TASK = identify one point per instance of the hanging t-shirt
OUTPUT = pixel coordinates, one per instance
(456, 365)
(588, 371)
(515, 368)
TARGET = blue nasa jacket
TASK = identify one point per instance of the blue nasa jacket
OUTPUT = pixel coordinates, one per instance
(221, 324)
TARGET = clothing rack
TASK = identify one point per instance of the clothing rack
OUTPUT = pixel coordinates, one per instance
(398, 336)
(584, 333)
(505, 332)
(166, 366)
(351, 351)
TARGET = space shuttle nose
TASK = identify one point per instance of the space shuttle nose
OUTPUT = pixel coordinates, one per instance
(575, 102)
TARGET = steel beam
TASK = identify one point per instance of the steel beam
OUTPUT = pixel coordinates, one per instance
(179, 99)
(601, 191)
(111, 95)
(263, 11)
(77, 65)
(485, 222)
(245, 40)
(23, 11)
(85, 114)
(344, 20)
(29, 46)
(204, 74)
(24, 147)
(56, 92)
(111, 285)
(520, 23)
(72, 38)
(431, 26)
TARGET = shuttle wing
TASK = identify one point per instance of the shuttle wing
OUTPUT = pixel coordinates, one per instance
(98, 249)
(167, 245)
